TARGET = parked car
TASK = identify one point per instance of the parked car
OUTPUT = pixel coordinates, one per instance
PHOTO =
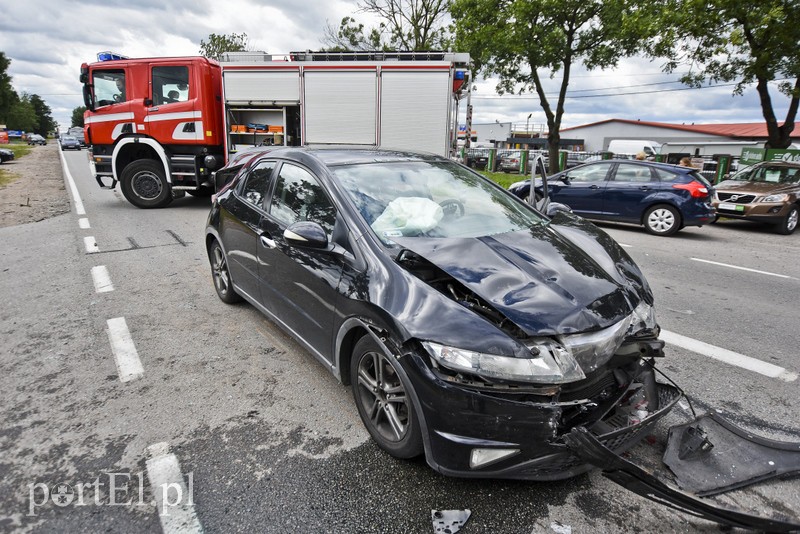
(69, 142)
(36, 139)
(767, 192)
(510, 162)
(477, 158)
(663, 198)
(472, 328)
(6, 155)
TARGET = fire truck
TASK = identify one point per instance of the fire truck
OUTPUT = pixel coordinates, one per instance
(161, 126)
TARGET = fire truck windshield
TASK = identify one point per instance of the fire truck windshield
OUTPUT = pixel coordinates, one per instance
(109, 87)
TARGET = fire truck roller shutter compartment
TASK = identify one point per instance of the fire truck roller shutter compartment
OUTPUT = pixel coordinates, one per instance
(340, 106)
(415, 109)
(243, 87)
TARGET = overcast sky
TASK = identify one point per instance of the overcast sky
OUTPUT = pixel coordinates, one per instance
(47, 40)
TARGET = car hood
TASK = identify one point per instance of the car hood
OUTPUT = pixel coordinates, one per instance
(756, 188)
(543, 280)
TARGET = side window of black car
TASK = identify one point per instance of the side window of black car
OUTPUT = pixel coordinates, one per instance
(257, 184)
(299, 197)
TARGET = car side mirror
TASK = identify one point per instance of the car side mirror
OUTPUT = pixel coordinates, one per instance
(564, 179)
(306, 234)
(555, 207)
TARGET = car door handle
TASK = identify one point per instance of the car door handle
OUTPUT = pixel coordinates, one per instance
(267, 242)
(644, 187)
(594, 186)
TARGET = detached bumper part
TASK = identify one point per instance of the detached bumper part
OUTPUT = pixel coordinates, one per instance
(735, 459)
(644, 483)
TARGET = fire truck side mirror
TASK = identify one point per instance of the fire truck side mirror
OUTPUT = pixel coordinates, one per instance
(148, 102)
(88, 100)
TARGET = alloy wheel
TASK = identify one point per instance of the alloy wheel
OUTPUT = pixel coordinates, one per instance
(383, 396)
(220, 270)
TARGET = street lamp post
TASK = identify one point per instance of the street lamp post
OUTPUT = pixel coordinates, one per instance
(527, 122)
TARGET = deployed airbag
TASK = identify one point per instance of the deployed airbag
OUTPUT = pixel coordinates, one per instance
(408, 216)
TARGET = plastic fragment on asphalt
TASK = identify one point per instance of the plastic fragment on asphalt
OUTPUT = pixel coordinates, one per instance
(558, 528)
(449, 521)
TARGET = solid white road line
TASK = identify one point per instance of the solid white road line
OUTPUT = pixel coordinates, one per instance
(129, 367)
(729, 357)
(76, 197)
(83, 222)
(90, 244)
(174, 500)
(742, 268)
(101, 279)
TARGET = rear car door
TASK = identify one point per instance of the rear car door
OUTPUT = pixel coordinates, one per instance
(582, 188)
(240, 226)
(299, 285)
(629, 187)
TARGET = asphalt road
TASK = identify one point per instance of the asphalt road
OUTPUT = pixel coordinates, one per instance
(234, 413)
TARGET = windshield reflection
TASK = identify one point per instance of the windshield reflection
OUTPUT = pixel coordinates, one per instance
(431, 199)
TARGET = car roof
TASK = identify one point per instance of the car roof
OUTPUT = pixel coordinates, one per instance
(778, 164)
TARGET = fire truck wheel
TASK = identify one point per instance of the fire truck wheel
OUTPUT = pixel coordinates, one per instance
(144, 184)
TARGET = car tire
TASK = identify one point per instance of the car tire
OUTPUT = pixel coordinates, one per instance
(144, 184)
(221, 275)
(383, 401)
(789, 223)
(714, 220)
(662, 220)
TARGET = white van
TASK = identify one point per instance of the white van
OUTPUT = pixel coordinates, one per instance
(634, 146)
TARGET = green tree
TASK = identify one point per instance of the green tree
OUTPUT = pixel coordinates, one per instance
(22, 115)
(8, 96)
(404, 25)
(77, 116)
(745, 42)
(44, 118)
(523, 40)
(217, 44)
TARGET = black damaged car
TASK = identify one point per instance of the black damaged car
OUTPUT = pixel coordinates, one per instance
(472, 328)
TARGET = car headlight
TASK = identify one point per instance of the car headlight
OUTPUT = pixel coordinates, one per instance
(552, 365)
(563, 360)
(775, 198)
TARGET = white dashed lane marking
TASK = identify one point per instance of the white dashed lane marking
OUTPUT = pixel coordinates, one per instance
(129, 367)
(90, 244)
(101, 279)
(743, 268)
(174, 499)
(83, 222)
(728, 356)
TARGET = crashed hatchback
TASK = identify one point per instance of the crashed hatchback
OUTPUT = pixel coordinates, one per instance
(473, 329)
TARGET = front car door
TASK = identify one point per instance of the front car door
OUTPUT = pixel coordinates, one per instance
(299, 285)
(582, 190)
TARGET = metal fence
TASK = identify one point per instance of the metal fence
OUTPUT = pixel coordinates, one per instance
(512, 160)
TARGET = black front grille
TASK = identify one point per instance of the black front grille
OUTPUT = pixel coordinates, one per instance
(739, 199)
